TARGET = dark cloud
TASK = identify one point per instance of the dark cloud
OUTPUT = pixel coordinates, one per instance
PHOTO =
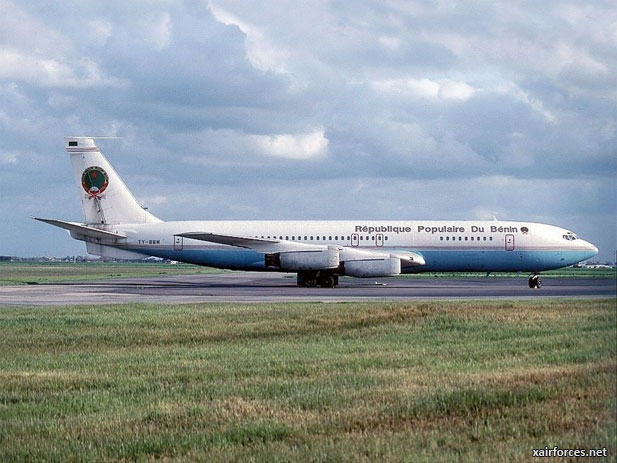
(232, 109)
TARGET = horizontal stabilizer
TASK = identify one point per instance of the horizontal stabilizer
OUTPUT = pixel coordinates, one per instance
(82, 229)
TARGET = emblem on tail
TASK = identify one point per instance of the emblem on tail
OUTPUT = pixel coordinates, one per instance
(94, 180)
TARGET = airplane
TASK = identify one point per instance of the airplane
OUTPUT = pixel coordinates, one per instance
(117, 226)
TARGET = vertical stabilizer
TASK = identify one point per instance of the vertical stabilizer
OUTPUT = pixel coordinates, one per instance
(105, 199)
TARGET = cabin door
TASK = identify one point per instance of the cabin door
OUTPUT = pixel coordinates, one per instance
(178, 243)
(355, 239)
(379, 239)
(509, 242)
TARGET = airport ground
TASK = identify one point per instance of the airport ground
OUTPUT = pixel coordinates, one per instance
(102, 283)
(411, 381)
(16, 273)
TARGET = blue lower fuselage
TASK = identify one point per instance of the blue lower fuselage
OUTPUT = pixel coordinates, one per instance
(436, 260)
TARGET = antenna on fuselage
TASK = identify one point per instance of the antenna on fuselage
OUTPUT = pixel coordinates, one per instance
(101, 137)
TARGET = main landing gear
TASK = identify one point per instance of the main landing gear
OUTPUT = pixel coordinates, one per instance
(312, 279)
(535, 282)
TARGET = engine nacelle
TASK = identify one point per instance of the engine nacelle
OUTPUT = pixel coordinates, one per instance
(308, 260)
(385, 267)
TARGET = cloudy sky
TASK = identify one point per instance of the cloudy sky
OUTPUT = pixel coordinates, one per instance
(395, 109)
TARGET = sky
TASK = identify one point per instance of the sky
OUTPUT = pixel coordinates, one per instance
(236, 110)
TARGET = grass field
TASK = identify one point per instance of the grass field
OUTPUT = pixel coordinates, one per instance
(460, 381)
(17, 273)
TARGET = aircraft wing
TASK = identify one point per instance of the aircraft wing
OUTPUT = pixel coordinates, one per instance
(268, 246)
(257, 244)
(81, 229)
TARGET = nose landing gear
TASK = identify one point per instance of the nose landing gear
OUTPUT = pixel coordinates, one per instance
(535, 282)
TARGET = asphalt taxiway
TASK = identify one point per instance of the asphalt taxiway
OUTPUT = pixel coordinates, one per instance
(273, 287)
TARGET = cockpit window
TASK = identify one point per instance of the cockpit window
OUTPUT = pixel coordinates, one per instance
(570, 236)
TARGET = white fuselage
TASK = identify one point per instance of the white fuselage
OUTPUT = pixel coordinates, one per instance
(444, 245)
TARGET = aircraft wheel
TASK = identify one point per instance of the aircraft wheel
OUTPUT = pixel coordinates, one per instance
(327, 281)
(535, 282)
(306, 279)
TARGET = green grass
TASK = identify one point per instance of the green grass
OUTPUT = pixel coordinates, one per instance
(460, 381)
(17, 273)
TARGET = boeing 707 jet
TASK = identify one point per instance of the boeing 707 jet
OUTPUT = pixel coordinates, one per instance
(116, 226)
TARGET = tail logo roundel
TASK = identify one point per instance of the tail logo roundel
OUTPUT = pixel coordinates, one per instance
(95, 181)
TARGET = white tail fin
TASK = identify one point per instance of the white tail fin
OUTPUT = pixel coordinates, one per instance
(105, 199)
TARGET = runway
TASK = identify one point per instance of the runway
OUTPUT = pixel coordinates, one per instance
(274, 287)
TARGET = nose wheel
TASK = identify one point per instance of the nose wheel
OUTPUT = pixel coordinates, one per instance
(535, 282)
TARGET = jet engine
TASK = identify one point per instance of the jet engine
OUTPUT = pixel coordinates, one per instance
(381, 267)
(366, 264)
(295, 261)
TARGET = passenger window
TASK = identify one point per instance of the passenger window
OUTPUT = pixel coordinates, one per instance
(491, 238)
(317, 238)
(348, 238)
(447, 238)
(330, 238)
(385, 238)
(465, 238)
(441, 238)
(287, 238)
(311, 238)
(361, 238)
(305, 238)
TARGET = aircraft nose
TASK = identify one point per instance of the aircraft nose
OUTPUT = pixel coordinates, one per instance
(593, 251)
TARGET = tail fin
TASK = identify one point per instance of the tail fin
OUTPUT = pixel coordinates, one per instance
(105, 199)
